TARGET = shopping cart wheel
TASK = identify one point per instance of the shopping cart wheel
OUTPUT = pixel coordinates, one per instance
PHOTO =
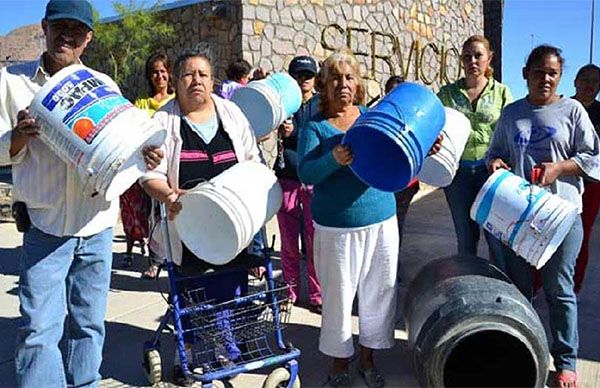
(152, 366)
(279, 378)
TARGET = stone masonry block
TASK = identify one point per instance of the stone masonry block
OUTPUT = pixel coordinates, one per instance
(263, 13)
(258, 27)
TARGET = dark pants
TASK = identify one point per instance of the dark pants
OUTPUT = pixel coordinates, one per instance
(460, 195)
(558, 285)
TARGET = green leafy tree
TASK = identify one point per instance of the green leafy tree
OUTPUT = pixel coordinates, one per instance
(121, 47)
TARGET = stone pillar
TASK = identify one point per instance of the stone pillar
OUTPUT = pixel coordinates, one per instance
(492, 26)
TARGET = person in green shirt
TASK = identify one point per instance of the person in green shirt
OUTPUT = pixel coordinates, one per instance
(481, 98)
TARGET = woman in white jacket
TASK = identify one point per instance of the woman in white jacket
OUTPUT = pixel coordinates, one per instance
(206, 136)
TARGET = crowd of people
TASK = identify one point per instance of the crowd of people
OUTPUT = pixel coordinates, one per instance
(349, 233)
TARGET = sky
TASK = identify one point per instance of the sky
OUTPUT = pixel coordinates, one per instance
(561, 23)
(527, 23)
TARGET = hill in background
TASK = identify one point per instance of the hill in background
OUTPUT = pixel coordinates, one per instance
(22, 44)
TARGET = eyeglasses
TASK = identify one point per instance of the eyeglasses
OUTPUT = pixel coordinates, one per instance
(303, 75)
(71, 26)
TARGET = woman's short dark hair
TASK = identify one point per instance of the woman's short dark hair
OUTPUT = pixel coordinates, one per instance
(542, 51)
(587, 67)
(184, 56)
(238, 70)
(392, 82)
(158, 56)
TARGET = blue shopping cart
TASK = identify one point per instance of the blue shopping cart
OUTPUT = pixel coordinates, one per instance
(218, 339)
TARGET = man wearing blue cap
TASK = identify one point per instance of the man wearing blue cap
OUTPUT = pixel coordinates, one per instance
(67, 240)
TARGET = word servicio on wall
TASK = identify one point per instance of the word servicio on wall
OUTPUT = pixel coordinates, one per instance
(440, 58)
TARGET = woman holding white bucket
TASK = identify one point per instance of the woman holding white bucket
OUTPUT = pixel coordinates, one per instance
(555, 134)
(481, 98)
(206, 135)
(356, 235)
(195, 119)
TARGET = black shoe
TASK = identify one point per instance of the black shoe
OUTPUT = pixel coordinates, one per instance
(252, 261)
(180, 378)
(127, 260)
(316, 308)
(372, 377)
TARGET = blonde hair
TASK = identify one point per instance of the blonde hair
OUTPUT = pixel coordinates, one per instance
(331, 67)
(489, 71)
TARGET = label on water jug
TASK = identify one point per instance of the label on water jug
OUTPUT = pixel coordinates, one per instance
(80, 104)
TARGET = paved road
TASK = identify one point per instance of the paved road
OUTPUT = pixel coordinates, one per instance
(136, 305)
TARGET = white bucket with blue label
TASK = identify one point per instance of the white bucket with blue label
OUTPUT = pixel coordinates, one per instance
(219, 218)
(530, 220)
(89, 124)
(268, 102)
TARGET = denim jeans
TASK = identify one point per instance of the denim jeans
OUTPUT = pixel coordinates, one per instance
(62, 278)
(558, 285)
(256, 245)
(460, 195)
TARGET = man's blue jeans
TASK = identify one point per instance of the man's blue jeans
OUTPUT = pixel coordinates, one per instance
(460, 195)
(558, 285)
(62, 277)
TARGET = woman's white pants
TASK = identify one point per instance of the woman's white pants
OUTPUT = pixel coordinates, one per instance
(351, 260)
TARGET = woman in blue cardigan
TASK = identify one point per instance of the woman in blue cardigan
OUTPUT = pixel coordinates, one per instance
(356, 235)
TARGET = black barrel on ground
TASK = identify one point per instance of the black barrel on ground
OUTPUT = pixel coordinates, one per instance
(469, 326)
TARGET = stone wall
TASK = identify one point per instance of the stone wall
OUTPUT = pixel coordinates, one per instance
(493, 13)
(419, 39)
(214, 27)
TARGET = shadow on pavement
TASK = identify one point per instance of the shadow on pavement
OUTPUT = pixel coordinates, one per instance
(119, 238)
(9, 261)
(315, 366)
(8, 328)
(123, 353)
(588, 303)
(124, 343)
(135, 283)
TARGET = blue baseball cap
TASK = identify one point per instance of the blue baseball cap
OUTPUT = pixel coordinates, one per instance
(302, 63)
(80, 10)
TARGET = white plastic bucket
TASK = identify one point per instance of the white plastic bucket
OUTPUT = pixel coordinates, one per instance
(219, 218)
(530, 220)
(92, 126)
(439, 169)
(268, 102)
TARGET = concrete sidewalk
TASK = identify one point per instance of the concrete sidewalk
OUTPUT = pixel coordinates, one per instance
(136, 306)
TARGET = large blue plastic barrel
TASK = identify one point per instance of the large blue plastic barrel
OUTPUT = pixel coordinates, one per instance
(390, 141)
